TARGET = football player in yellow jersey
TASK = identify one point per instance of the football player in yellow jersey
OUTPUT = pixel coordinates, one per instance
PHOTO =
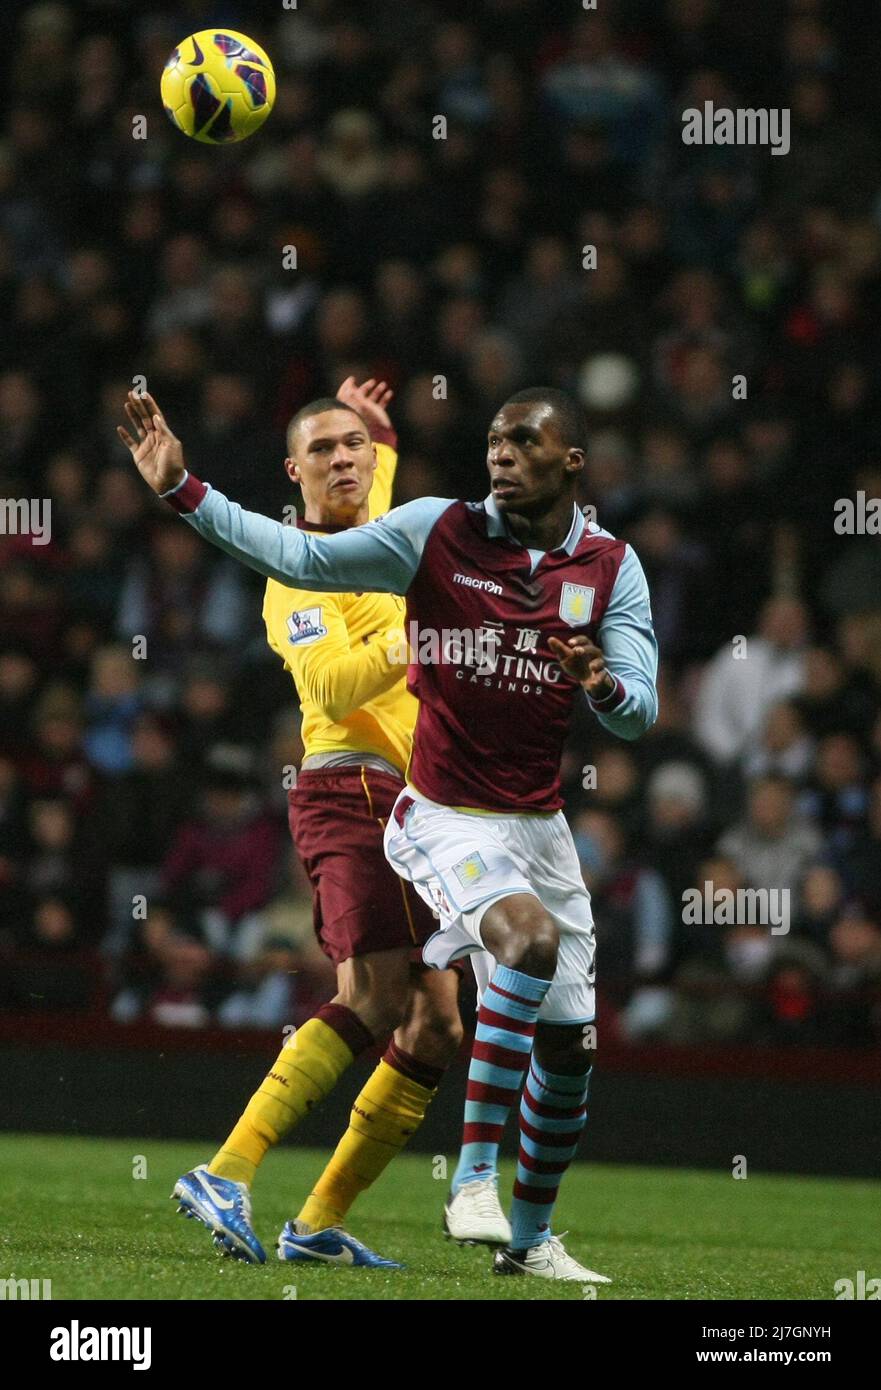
(358, 719)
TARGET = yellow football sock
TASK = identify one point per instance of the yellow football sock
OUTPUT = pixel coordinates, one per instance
(307, 1068)
(388, 1111)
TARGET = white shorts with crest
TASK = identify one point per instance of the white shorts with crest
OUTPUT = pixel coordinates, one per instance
(461, 863)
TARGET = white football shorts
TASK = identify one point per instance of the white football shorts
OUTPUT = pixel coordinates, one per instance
(461, 863)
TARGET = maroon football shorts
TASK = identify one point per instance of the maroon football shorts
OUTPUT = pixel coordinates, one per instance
(337, 818)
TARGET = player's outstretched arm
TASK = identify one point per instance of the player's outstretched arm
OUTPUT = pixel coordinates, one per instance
(381, 557)
(158, 455)
(327, 670)
(371, 399)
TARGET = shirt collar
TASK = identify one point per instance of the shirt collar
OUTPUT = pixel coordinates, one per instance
(329, 527)
(496, 526)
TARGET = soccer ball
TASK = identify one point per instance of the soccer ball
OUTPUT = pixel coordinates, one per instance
(218, 86)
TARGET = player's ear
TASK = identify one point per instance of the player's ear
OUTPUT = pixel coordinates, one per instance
(575, 461)
(293, 470)
(375, 456)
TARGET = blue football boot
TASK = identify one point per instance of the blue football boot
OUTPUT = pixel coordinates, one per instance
(331, 1246)
(224, 1207)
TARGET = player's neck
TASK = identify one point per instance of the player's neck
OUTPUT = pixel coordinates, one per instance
(545, 532)
(317, 515)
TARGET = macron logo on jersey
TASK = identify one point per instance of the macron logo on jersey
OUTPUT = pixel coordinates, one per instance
(305, 627)
(488, 586)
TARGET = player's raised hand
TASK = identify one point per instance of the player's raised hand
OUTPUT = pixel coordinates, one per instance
(159, 456)
(585, 663)
(370, 399)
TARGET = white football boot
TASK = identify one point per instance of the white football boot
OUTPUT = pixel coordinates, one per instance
(474, 1215)
(548, 1261)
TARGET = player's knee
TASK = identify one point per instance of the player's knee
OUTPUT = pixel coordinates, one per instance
(381, 1016)
(446, 1034)
(538, 953)
(569, 1049)
(532, 948)
(523, 936)
(432, 1038)
(532, 953)
(387, 1017)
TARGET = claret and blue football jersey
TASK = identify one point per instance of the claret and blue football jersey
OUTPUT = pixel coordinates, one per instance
(494, 704)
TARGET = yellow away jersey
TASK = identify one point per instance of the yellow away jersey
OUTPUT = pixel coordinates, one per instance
(335, 647)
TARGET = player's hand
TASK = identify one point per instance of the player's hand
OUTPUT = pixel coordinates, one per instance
(369, 399)
(158, 455)
(585, 663)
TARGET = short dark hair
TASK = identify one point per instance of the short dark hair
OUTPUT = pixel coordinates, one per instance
(318, 408)
(570, 417)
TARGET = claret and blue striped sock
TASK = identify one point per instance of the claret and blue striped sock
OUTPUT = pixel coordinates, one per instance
(553, 1111)
(502, 1044)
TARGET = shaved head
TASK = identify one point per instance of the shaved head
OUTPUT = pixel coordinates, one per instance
(567, 413)
(318, 407)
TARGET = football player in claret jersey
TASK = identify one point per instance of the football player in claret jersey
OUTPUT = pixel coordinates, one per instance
(343, 651)
(479, 827)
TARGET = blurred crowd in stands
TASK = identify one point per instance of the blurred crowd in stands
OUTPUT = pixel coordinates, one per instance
(146, 730)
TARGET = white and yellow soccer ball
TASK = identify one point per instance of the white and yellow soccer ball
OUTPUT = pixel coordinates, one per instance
(218, 86)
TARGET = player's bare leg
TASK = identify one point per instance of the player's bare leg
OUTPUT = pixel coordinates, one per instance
(375, 987)
(521, 935)
(431, 1028)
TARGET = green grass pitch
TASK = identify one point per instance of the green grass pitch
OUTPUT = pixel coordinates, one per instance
(74, 1213)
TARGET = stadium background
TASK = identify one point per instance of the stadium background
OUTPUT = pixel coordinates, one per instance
(460, 258)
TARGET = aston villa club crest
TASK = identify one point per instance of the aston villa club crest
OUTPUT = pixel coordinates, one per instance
(576, 604)
(305, 626)
(469, 869)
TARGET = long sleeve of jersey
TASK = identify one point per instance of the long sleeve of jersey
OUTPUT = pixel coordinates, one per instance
(627, 640)
(384, 555)
(327, 670)
(380, 557)
(384, 477)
